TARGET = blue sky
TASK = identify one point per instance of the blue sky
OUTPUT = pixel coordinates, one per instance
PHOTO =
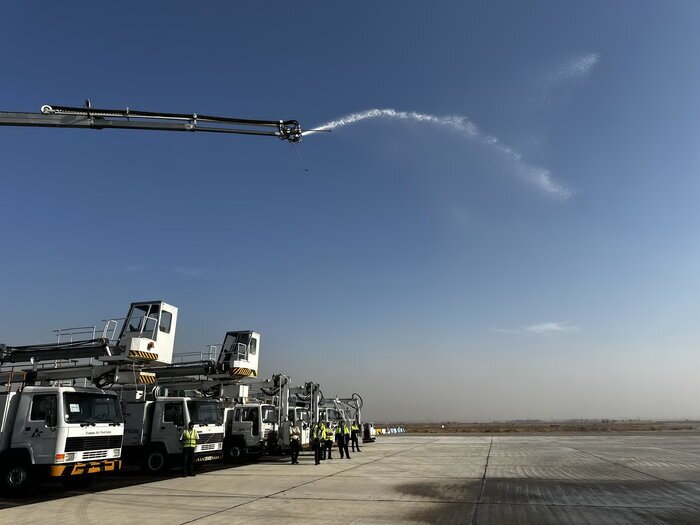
(420, 265)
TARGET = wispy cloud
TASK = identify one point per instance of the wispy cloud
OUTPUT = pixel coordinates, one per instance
(537, 176)
(552, 328)
(548, 329)
(134, 267)
(190, 272)
(575, 69)
(560, 82)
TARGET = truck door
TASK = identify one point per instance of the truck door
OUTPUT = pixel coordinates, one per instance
(40, 428)
(169, 424)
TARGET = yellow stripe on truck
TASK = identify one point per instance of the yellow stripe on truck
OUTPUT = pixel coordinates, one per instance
(245, 372)
(89, 467)
(146, 378)
(140, 354)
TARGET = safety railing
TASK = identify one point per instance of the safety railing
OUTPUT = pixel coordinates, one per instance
(209, 354)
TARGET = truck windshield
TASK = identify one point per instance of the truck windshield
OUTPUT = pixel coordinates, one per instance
(269, 414)
(205, 412)
(303, 415)
(84, 407)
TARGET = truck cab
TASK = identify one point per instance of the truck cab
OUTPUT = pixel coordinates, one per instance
(302, 417)
(153, 428)
(61, 432)
(251, 429)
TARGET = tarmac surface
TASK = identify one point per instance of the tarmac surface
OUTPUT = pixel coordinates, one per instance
(587, 478)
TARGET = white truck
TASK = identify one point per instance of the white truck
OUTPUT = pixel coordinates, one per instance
(154, 424)
(260, 422)
(207, 383)
(62, 432)
(55, 418)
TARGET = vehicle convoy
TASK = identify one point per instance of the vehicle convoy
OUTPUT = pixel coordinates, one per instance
(53, 426)
(255, 413)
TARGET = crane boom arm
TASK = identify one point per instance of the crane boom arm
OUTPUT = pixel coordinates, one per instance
(37, 353)
(93, 118)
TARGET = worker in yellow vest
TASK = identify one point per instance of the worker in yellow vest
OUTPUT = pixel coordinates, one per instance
(317, 438)
(342, 437)
(189, 440)
(327, 441)
(355, 431)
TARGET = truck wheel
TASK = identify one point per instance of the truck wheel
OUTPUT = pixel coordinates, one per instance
(234, 451)
(155, 461)
(18, 477)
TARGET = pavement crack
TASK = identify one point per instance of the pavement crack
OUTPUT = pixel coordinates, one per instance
(475, 516)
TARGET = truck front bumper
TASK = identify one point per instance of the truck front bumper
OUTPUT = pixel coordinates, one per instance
(204, 457)
(88, 467)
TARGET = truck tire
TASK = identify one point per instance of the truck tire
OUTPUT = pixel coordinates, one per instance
(234, 450)
(18, 477)
(155, 461)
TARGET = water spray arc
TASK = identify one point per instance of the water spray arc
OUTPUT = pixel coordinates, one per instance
(537, 176)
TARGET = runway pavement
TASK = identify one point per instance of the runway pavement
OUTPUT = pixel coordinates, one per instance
(602, 478)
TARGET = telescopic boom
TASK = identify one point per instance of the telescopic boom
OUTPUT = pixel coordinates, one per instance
(88, 117)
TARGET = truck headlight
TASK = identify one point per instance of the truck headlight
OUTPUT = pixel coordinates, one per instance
(116, 452)
(70, 456)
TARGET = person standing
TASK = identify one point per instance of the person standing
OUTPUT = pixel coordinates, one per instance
(317, 433)
(355, 435)
(342, 436)
(294, 445)
(328, 441)
(189, 440)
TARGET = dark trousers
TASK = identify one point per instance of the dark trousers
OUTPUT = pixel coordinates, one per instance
(294, 446)
(318, 451)
(328, 449)
(355, 441)
(343, 446)
(188, 459)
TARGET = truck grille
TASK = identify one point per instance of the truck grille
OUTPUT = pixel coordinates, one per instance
(97, 454)
(77, 444)
(210, 438)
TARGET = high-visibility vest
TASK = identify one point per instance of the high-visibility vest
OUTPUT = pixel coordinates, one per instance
(189, 438)
(355, 428)
(327, 433)
(342, 429)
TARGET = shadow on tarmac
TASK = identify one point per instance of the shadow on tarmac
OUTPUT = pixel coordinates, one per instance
(52, 489)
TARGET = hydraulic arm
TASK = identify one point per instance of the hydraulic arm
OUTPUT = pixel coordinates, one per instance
(93, 118)
(69, 350)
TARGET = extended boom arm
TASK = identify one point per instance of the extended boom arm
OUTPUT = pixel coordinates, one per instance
(88, 117)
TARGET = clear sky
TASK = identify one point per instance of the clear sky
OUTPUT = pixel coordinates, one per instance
(524, 242)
